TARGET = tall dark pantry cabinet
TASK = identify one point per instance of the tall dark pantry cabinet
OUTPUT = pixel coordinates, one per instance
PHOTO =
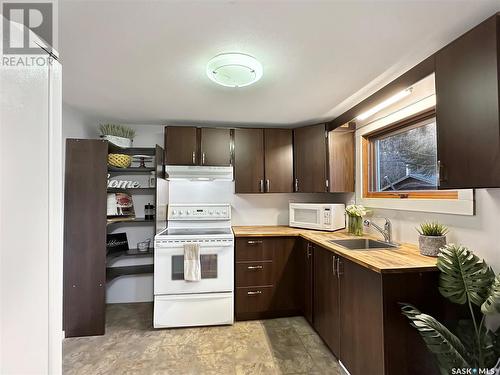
(85, 228)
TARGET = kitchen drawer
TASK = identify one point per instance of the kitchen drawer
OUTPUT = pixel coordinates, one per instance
(254, 249)
(254, 273)
(253, 299)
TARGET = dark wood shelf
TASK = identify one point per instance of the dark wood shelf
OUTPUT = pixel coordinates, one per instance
(150, 151)
(130, 170)
(139, 190)
(131, 252)
(114, 272)
(137, 220)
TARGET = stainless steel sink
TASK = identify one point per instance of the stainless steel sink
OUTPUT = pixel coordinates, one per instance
(364, 244)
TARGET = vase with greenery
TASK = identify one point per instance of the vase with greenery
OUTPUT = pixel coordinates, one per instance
(432, 237)
(464, 280)
(355, 214)
(119, 135)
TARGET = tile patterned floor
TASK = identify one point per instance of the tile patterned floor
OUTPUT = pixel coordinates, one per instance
(132, 346)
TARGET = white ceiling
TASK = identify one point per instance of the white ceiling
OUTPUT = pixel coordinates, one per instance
(144, 61)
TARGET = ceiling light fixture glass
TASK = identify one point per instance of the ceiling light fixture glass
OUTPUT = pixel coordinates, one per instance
(386, 103)
(234, 69)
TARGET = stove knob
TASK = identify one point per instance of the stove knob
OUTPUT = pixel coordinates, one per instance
(218, 212)
(188, 212)
(181, 212)
(210, 212)
(174, 212)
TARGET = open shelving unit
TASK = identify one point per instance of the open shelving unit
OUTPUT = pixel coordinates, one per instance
(115, 272)
(87, 266)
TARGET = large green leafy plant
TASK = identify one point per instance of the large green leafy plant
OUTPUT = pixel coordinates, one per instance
(464, 280)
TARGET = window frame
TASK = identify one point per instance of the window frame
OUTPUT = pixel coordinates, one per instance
(368, 156)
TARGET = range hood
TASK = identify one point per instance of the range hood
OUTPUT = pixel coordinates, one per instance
(198, 173)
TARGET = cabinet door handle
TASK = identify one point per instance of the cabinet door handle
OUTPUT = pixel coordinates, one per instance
(203, 158)
(254, 242)
(261, 186)
(334, 258)
(340, 272)
(254, 267)
(253, 293)
(441, 172)
(296, 184)
(194, 157)
(268, 185)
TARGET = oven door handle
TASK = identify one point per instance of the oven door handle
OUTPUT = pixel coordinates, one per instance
(203, 246)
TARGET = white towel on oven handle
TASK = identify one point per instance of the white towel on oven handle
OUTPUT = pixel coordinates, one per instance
(192, 266)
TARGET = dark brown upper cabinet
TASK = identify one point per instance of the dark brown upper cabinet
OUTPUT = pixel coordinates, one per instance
(263, 161)
(181, 145)
(249, 160)
(341, 160)
(197, 146)
(324, 161)
(215, 146)
(310, 156)
(278, 160)
(467, 108)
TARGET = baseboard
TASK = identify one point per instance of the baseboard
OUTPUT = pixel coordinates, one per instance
(267, 315)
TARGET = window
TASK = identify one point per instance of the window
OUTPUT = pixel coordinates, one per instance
(406, 159)
(401, 160)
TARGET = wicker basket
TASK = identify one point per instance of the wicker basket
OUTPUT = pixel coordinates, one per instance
(119, 160)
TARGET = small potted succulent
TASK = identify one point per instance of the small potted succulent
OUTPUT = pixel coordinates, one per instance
(119, 135)
(355, 214)
(432, 237)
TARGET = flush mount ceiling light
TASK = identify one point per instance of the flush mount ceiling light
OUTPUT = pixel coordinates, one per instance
(386, 103)
(234, 69)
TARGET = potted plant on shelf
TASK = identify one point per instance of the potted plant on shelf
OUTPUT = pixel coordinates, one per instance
(119, 135)
(355, 214)
(432, 237)
(464, 280)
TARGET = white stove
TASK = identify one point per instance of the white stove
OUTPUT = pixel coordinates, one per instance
(181, 303)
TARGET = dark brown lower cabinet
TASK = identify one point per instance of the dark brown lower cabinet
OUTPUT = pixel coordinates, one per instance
(361, 327)
(307, 276)
(353, 309)
(326, 298)
(287, 281)
(268, 278)
(375, 338)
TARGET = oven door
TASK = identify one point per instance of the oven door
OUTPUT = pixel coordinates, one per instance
(216, 258)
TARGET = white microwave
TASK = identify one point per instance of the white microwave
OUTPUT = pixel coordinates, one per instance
(319, 216)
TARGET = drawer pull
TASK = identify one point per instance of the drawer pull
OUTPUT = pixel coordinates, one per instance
(253, 293)
(254, 242)
(254, 267)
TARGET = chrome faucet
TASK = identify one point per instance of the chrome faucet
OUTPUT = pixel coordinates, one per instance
(386, 231)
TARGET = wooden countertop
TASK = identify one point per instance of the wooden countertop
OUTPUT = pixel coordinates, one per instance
(405, 258)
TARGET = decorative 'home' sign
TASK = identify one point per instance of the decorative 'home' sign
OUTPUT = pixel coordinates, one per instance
(123, 184)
